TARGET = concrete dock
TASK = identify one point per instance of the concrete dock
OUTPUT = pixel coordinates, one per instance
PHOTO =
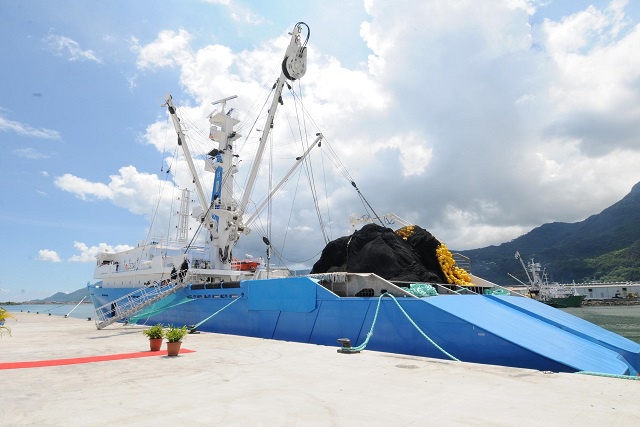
(231, 380)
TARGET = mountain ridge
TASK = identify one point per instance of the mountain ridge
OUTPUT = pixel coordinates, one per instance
(62, 297)
(569, 251)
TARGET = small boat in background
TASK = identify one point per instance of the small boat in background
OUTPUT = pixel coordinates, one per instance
(554, 294)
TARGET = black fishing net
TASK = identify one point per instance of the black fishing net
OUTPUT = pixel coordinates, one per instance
(380, 250)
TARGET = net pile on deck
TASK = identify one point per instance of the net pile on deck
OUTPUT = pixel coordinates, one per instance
(408, 254)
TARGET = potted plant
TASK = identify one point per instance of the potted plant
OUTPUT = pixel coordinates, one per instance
(155, 334)
(4, 314)
(174, 337)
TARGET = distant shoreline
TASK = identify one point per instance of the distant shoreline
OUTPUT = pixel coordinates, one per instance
(610, 301)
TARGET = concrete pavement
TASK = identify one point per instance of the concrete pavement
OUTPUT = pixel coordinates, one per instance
(231, 380)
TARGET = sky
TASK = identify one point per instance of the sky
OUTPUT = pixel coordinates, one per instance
(478, 121)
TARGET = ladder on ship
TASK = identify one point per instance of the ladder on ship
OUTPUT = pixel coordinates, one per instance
(128, 305)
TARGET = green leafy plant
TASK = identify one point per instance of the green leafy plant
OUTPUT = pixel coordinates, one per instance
(154, 332)
(174, 334)
(4, 315)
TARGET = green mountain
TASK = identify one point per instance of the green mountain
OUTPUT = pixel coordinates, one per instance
(605, 246)
(619, 265)
(71, 297)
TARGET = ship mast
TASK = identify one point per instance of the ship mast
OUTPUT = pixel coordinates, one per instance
(294, 66)
(222, 216)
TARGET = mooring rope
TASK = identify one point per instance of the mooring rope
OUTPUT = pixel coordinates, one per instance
(601, 374)
(373, 324)
(152, 311)
(69, 313)
(234, 300)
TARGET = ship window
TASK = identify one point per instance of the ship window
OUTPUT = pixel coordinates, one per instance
(624, 289)
(590, 290)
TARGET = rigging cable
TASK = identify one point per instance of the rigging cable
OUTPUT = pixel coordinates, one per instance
(270, 205)
(262, 109)
(286, 230)
(161, 190)
(342, 168)
(308, 166)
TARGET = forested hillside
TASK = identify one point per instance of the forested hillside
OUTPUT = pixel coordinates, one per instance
(605, 246)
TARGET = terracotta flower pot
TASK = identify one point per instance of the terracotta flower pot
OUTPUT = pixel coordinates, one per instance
(173, 348)
(155, 344)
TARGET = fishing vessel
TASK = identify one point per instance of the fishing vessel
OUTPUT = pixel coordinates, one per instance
(411, 297)
(554, 294)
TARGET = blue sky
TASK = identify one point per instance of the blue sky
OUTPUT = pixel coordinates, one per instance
(476, 120)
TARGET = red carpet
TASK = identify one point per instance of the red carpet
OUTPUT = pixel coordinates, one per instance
(90, 359)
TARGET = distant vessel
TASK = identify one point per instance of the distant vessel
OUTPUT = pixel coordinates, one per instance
(453, 314)
(553, 294)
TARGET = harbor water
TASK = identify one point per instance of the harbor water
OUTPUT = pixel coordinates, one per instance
(621, 319)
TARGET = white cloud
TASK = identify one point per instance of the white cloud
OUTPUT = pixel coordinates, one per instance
(476, 120)
(48, 256)
(161, 135)
(594, 93)
(64, 46)
(531, 131)
(594, 66)
(165, 51)
(131, 189)
(138, 192)
(238, 12)
(415, 153)
(133, 82)
(83, 188)
(89, 253)
(29, 153)
(7, 125)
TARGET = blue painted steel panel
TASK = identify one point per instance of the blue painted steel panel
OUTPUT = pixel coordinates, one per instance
(295, 326)
(297, 294)
(481, 329)
(339, 318)
(217, 184)
(455, 335)
(628, 349)
(525, 331)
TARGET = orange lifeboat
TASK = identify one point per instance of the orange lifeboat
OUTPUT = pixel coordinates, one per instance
(244, 265)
